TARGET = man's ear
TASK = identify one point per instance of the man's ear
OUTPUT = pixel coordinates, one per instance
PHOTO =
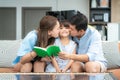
(81, 30)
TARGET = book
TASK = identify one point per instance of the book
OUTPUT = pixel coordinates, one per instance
(51, 50)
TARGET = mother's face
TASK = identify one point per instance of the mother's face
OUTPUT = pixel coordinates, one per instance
(55, 32)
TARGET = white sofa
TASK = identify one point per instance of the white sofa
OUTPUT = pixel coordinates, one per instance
(8, 50)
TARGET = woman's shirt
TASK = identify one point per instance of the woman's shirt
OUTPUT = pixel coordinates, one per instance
(28, 43)
(26, 46)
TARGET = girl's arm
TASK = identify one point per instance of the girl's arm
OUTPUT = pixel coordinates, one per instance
(54, 62)
(70, 63)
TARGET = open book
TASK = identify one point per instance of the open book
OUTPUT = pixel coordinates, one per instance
(51, 50)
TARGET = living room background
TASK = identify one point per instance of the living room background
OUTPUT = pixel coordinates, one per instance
(21, 12)
(18, 17)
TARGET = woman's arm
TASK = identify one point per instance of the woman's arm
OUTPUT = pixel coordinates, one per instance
(28, 57)
(54, 62)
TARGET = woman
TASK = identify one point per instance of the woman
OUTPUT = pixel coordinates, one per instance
(45, 35)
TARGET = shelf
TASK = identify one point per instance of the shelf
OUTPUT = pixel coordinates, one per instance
(99, 15)
(100, 8)
(97, 23)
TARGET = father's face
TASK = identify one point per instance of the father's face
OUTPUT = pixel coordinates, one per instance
(76, 33)
(73, 31)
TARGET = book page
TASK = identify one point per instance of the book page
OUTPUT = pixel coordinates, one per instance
(40, 48)
(53, 50)
(41, 52)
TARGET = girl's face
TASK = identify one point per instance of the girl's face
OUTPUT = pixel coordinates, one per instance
(64, 31)
(55, 32)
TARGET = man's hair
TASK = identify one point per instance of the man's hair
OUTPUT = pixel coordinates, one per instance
(80, 21)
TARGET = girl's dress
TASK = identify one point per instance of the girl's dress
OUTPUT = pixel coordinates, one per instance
(69, 48)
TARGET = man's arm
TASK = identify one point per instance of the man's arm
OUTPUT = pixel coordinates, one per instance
(81, 57)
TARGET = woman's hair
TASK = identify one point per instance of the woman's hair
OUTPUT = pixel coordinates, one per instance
(46, 24)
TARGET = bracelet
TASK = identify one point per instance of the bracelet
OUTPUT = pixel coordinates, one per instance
(31, 55)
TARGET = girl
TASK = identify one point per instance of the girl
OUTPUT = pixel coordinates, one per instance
(66, 45)
(48, 29)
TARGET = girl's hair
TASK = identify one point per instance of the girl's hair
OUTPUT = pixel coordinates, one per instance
(65, 23)
(46, 24)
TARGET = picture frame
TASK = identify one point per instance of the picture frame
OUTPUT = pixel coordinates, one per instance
(104, 3)
(98, 17)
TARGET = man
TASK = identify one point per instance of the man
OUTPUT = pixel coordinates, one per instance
(89, 56)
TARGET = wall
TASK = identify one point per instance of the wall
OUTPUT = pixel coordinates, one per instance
(31, 18)
(81, 5)
(7, 23)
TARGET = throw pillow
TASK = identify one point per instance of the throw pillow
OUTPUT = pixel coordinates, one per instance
(111, 53)
(8, 52)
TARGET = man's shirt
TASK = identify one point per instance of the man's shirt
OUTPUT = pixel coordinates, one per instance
(90, 44)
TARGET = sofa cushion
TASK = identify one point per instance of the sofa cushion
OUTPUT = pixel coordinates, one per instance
(111, 53)
(8, 52)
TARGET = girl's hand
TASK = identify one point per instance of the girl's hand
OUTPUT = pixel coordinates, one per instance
(58, 70)
(17, 67)
(64, 70)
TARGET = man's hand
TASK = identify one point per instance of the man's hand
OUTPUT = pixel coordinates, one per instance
(64, 55)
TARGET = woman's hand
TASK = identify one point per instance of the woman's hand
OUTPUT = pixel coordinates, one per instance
(46, 59)
(64, 55)
(17, 67)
